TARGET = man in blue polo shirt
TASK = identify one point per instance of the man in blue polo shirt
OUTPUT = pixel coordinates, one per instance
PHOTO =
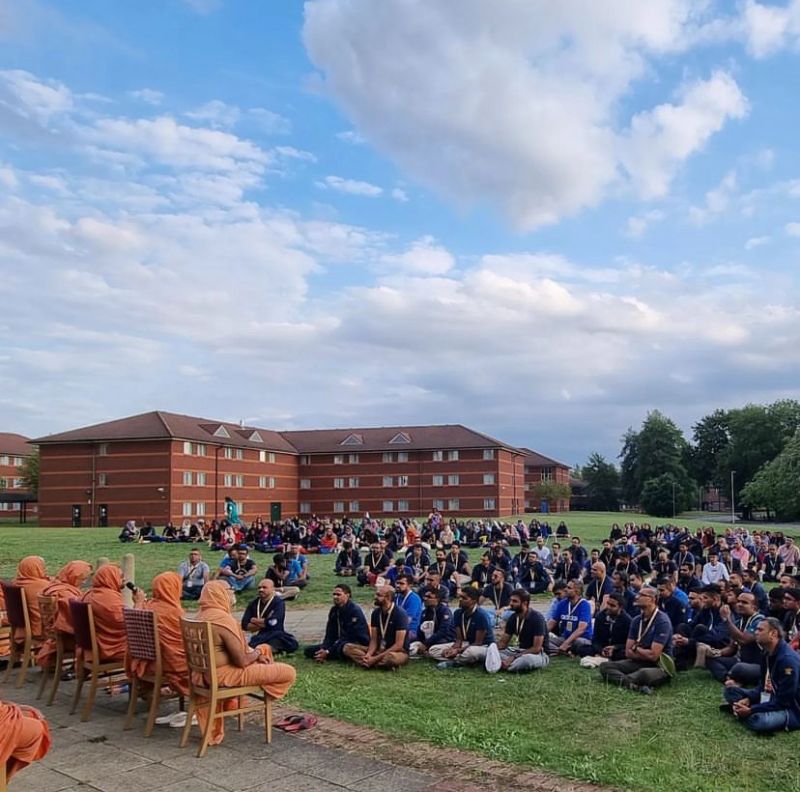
(473, 634)
(571, 624)
(436, 625)
(408, 599)
(646, 664)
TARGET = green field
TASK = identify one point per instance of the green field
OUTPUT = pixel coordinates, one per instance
(563, 719)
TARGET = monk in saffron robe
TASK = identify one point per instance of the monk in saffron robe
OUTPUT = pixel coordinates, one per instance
(24, 737)
(166, 604)
(105, 597)
(32, 577)
(237, 663)
(66, 587)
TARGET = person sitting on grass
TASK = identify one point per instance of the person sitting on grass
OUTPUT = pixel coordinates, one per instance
(436, 625)
(348, 560)
(609, 632)
(388, 635)
(238, 570)
(571, 623)
(278, 573)
(473, 634)
(264, 618)
(194, 575)
(410, 602)
(346, 624)
(774, 704)
(647, 663)
(523, 644)
(298, 572)
(375, 564)
(533, 576)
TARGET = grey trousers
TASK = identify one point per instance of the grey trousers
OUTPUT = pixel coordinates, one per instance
(632, 673)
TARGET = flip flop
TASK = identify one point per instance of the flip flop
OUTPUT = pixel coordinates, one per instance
(307, 722)
(290, 720)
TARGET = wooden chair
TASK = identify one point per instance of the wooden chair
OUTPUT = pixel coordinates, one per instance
(205, 691)
(19, 617)
(48, 607)
(88, 659)
(141, 627)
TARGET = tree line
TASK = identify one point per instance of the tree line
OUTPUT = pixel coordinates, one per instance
(755, 449)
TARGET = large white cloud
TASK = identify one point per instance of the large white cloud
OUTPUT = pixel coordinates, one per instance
(518, 103)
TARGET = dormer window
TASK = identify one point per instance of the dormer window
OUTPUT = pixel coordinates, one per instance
(221, 431)
(400, 437)
(352, 439)
(255, 437)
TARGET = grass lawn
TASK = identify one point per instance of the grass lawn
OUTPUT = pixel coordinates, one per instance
(563, 719)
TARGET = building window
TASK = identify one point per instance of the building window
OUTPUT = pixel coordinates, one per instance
(547, 474)
(305, 508)
(240, 481)
(187, 510)
(388, 481)
(18, 483)
(338, 483)
(352, 459)
(402, 456)
(388, 456)
(187, 449)
(102, 449)
(437, 456)
(271, 482)
(488, 453)
(452, 456)
(402, 481)
(201, 509)
(338, 507)
(353, 481)
(102, 479)
(18, 461)
(262, 482)
(438, 481)
(388, 506)
(255, 437)
(227, 452)
(400, 437)
(305, 483)
(200, 449)
(187, 478)
(338, 459)
(305, 459)
(452, 504)
(221, 431)
(402, 505)
(453, 480)
(354, 506)
(271, 457)
(3, 483)
(488, 478)
(488, 504)
(4, 460)
(200, 479)
(262, 456)
(353, 439)
(438, 504)
(227, 480)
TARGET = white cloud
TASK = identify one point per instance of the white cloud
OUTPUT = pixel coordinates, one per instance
(717, 200)
(424, 257)
(350, 186)
(518, 106)
(148, 96)
(216, 114)
(351, 136)
(269, 122)
(756, 242)
(400, 195)
(27, 97)
(638, 225)
(289, 152)
(793, 229)
(770, 28)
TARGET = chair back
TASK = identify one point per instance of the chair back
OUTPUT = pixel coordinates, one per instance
(141, 627)
(200, 655)
(16, 607)
(83, 624)
(48, 607)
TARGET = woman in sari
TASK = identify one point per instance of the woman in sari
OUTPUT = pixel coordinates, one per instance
(237, 663)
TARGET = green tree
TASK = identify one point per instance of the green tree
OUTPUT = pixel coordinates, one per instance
(661, 496)
(711, 436)
(551, 491)
(602, 483)
(30, 473)
(777, 485)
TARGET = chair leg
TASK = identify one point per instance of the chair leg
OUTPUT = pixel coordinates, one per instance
(133, 700)
(43, 677)
(268, 718)
(58, 672)
(24, 661)
(241, 702)
(89, 705)
(12, 659)
(155, 703)
(79, 679)
(187, 728)
(212, 720)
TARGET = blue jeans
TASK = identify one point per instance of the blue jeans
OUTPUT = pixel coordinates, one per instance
(240, 584)
(772, 721)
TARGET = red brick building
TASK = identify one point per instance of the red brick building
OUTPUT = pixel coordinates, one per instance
(159, 466)
(14, 450)
(540, 472)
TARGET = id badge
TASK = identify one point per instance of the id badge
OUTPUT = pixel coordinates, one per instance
(766, 697)
(383, 646)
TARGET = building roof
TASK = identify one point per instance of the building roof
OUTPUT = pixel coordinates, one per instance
(535, 459)
(391, 438)
(164, 425)
(16, 444)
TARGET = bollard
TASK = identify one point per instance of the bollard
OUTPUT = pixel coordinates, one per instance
(128, 573)
(102, 561)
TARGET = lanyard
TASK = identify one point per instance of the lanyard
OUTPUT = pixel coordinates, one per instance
(261, 611)
(647, 628)
(466, 624)
(403, 603)
(496, 597)
(385, 624)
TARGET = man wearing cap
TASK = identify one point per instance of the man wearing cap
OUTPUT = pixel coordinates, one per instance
(473, 634)
(646, 650)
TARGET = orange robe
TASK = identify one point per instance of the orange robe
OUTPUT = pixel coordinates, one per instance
(166, 604)
(24, 736)
(275, 679)
(31, 576)
(5, 643)
(106, 600)
(64, 588)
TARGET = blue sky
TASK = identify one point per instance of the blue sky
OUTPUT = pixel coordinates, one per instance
(541, 220)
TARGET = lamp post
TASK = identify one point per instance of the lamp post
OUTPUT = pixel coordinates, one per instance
(733, 500)
(673, 500)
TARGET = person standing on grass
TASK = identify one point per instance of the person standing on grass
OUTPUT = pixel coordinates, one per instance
(346, 624)
(646, 664)
(388, 635)
(774, 705)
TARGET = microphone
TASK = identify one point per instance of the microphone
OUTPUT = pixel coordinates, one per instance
(131, 586)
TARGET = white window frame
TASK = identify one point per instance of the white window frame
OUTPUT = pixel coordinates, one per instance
(200, 508)
(453, 504)
(200, 479)
(489, 478)
(338, 459)
(338, 507)
(186, 509)
(402, 481)
(305, 508)
(437, 456)
(187, 478)
(489, 504)
(387, 456)
(352, 459)
(102, 449)
(453, 480)
(388, 506)
(305, 459)
(102, 479)
(388, 481)
(353, 506)
(338, 483)
(200, 449)
(452, 456)
(488, 453)
(402, 505)
(402, 456)
(262, 456)
(437, 480)
(227, 480)
(353, 482)
(187, 448)
(438, 503)
(305, 483)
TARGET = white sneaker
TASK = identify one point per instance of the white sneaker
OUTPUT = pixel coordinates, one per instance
(179, 720)
(163, 720)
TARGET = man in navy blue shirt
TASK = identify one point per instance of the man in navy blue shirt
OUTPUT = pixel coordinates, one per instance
(436, 625)
(669, 601)
(645, 665)
(388, 635)
(774, 705)
(346, 624)
(523, 645)
(473, 634)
